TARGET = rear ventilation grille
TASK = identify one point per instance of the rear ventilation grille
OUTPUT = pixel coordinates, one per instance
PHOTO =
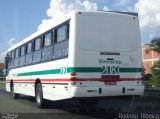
(109, 53)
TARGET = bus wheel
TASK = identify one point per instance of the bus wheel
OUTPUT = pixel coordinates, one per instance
(15, 95)
(39, 96)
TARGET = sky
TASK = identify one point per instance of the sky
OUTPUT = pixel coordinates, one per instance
(21, 18)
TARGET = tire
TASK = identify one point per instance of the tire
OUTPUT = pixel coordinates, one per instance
(15, 95)
(39, 96)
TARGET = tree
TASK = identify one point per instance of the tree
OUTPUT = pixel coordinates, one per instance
(1, 73)
(155, 44)
(156, 74)
(155, 80)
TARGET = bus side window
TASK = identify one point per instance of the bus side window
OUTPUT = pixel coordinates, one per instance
(62, 33)
(61, 46)
(22, 55)
(37, 44)
(48, 39)
(9, 60)
(13, 58)
(37, 50)
(47, 44)
(54, 36)
(29, 48)
(17, 57)
(29, 53)
(68, 31)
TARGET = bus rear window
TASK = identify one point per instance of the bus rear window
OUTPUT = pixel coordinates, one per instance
(108, 34)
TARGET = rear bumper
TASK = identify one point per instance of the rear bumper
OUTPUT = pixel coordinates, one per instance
(106, 91)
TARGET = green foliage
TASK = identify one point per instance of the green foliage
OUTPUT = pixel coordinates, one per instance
(1, 73)
(148, 84)
(155, 44)
(156, 69)
(155, 79)
(147, 77)
(156, 74)
(147, 80)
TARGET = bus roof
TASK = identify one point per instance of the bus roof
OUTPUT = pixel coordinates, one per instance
(61, 19)
(54, 23)
(127, 13)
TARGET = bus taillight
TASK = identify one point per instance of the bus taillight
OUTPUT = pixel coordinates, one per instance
(73, 74)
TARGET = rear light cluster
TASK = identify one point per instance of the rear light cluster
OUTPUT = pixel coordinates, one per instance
(73, 74)
(73, 77)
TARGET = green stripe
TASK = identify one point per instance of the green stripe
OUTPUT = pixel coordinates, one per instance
(44, 72)
(99, 69)
(78, 69)
(130, 70)
(84, 69)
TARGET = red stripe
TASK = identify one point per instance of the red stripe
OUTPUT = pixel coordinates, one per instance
(77, 79)
(108, 79)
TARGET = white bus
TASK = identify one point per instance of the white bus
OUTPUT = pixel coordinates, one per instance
(84, 55)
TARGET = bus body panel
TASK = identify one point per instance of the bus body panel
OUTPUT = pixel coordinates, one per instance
(108, 53)
(106, 91)
(24, 79)
(104, 59)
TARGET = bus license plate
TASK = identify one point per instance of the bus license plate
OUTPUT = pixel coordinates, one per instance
(110, 83)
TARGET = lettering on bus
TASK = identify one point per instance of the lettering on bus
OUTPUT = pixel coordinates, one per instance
(111, 66)
(109, 61)
(63, 70)
(110, 70)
